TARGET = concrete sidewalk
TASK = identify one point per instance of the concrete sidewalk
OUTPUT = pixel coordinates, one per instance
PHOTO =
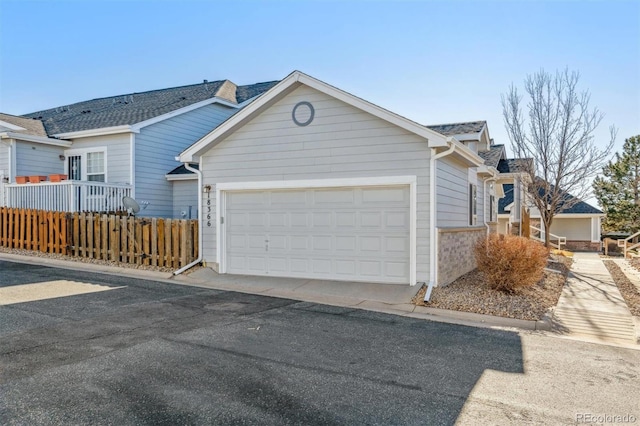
(591, 305)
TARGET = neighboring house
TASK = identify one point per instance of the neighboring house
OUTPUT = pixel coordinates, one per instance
(579, 225)
(115, 146)
(310, 181)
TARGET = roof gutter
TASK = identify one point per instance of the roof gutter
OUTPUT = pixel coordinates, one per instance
(114, 130)
(36, 139)
(199, 259)
(433, 269)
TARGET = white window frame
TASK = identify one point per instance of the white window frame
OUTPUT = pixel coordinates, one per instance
(473, 204)
(83, 153)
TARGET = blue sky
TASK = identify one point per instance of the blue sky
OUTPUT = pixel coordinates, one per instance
(431, 61)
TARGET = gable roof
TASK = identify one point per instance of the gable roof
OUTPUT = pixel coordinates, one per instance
(295, 80)
(134, 108)
(452, 129)
(182, 170)
(493, 156)
(515, 165)
(579, 208)
(26, 126)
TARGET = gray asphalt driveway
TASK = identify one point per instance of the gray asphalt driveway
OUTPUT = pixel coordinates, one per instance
(156, 353)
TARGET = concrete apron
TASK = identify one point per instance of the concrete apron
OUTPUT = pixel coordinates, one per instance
(591, 305)
(320, 291)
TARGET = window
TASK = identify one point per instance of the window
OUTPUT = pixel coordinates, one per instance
(87, 164)
(473, 204)
(95, 166)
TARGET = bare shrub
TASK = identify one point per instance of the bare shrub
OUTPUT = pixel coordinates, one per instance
(509, 262)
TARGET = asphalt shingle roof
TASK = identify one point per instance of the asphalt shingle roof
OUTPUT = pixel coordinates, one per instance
(452, 129)
(493, 156)
(579, 208)
(137, 107)
(31, 126)
(514, 165)
(182, 170)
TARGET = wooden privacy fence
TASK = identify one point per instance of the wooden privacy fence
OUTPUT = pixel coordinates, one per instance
(143, 241)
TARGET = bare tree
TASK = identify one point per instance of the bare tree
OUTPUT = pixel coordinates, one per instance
(557, 132)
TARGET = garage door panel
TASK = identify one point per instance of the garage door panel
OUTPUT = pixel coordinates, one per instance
(299, 266)
(368, 244)
(299, 220)
(321, 266)
(351, 234)
(370, 268)
(299, 242)
(346, 220)
(346, 243)
(278, 242)
(256, 220)
(397, 269)
(390, 196)
(278, 219)
(256, 242)
(322, 242)
(396, 244)
(346, 267)
(371, 219)
(396, 220)
(288, 198)
(334, 196)
(322, 219)
(237, 242)
(256, 264)
(278, 265)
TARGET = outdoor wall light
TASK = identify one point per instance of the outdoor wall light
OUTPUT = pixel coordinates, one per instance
(61, 157)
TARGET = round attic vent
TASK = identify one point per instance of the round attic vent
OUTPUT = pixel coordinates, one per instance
(303, 113)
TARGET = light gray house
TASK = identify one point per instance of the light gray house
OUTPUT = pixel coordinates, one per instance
(111, 147)
(310, 181)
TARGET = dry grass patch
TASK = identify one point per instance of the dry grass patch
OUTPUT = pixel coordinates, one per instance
(471, 293)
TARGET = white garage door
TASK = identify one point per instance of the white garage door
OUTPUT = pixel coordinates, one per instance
(350, 234)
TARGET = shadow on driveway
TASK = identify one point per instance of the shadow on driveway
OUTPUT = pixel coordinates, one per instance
(156, 353)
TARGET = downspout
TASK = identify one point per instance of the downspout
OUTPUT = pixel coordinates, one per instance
(199, 259)
(432, 215)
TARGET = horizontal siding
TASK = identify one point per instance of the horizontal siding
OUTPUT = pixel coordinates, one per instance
(4, 159)
(185, 199)
(452, 191)
(157, 146)
(38, 159)
(118, 153)
(341, 142)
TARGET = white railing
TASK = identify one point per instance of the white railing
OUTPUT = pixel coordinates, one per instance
(65, 196)
(629, 244)
(538, 234)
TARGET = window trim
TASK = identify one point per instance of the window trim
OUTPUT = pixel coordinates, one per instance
(473, 204)
(83, 153)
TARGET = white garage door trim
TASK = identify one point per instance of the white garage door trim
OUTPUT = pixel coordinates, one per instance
(222, 188)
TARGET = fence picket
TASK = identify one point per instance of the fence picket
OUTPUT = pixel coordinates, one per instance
(160, 224)
(156, 242)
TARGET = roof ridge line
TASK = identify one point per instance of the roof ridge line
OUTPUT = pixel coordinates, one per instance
(120, 95)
